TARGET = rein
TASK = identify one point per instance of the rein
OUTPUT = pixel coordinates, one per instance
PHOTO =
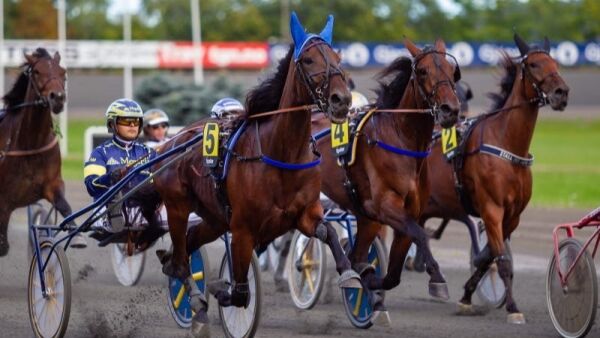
(17, 153)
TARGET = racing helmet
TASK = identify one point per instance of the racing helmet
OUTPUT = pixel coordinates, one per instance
(358, 100)
(155, 116)
(225, 107)
(123, 108)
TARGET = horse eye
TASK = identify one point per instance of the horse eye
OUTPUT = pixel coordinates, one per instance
(307, 61)
(422, 71)
(533, 65)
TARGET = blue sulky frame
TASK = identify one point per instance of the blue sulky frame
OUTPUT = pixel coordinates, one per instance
(181, 150)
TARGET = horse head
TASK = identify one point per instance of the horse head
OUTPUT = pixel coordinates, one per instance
(318, 65)
(47, 78)
(435, 73)
(542, 70)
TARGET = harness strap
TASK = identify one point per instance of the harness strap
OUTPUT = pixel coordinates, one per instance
(506, 155)
(17, 153)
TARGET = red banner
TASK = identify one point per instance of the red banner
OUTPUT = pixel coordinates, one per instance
(244, 55)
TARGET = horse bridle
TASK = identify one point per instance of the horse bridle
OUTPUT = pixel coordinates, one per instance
(541, 98)
(429, 98)
(45, 102)
(318, 92)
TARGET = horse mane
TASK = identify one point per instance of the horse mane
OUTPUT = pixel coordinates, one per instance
(266, 96)
(17, 93)
(390, 92)
(506, 83)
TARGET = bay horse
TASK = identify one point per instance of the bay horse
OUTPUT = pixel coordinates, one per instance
(388, 175)
(30, 162)
(497, 183)
(271, 185)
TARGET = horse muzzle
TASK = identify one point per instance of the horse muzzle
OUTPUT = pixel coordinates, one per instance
(338, 107)
(447, 115)
(559, 98)
(56, 100)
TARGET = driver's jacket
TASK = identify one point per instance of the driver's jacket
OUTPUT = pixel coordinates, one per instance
(109, 156)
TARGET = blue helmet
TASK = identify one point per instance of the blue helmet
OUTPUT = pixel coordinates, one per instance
(226, 106)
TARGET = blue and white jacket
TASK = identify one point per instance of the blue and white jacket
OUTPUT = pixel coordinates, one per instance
(109, 156)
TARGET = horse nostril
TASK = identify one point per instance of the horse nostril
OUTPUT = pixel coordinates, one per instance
(335, 99)
(445, 108)
(558, 91)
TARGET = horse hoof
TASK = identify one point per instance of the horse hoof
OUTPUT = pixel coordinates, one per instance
(515, 318)
(439, 291)
(163, 256)
(465, 309)
(349, 279)
(3, 248)
(381, 318)
(217, 285)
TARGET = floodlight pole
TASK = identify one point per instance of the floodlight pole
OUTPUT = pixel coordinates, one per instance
(197, 43)
(127, 71)
(62, 38)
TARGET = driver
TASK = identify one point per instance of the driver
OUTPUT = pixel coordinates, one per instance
(109, 161)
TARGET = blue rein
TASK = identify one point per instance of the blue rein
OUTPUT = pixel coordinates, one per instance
(400, 151)
(289, 166)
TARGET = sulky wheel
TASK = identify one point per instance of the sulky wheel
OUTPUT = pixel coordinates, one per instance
(178, 298)
(357, 304)
(572, 308)
(306, 270)
(49, 311)
(240, 322)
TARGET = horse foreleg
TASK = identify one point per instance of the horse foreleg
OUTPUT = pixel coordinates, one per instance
(325, 232)
(394, 215)
(242, 246)
(505, 270)
(366, 232)
(4, 218)
(177, 266)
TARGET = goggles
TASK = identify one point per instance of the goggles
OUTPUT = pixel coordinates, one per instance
(128, 121)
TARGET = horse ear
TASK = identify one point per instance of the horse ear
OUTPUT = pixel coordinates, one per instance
(296, 29)
(327, 32)
(440, 46)
(546, 44)
(412, 48)
(521, 44)
(56, 57)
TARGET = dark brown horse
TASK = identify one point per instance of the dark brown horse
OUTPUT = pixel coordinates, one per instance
(265, 200)
(29, 154)
(498, 185)
(391, 185)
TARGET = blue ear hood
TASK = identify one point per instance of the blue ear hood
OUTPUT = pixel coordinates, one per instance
(300, 36)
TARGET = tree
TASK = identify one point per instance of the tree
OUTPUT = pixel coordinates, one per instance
(184, 102)
(31, 19)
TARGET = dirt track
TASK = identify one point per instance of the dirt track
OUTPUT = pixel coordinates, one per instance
(101, 307)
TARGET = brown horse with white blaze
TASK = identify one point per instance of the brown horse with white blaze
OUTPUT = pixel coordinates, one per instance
(29, 153)
(496, 175)
(265, 199)
(388, 175)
